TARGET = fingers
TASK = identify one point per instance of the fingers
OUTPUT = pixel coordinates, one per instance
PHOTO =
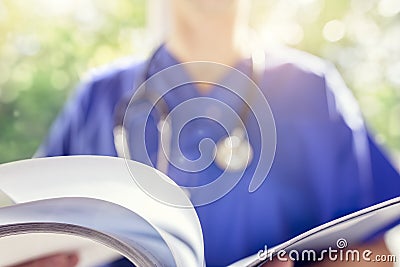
(278, 263)
(59, 260)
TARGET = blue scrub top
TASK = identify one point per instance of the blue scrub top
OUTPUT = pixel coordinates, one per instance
(326, 163)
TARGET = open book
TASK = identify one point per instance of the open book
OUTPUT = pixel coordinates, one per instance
(92, 205)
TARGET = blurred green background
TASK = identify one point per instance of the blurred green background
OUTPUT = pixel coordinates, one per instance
(46, 46)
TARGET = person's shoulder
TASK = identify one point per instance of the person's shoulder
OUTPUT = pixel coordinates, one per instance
(291, 59)
(112, 80)
(305, 83)
(116, 71)
(302, 72)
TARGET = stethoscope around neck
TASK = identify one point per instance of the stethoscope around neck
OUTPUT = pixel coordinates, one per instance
(232, 153)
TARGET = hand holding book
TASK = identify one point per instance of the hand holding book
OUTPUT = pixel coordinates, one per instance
(59, 260)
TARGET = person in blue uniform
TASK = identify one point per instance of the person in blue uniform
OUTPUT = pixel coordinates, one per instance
(326, 163)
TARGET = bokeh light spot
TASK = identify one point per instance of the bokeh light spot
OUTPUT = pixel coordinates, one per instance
(334, 30)
(389, 8)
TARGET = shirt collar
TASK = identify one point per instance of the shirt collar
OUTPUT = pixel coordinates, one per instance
(238, 85)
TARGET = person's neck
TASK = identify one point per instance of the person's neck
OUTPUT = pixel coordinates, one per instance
(213, 40)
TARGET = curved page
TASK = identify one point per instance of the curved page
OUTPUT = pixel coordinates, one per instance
(353, 228)
(111, 180)
(104, 222)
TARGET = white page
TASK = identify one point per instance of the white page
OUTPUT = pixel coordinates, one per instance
(120, 229)
(109, 179)
(354, 228)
